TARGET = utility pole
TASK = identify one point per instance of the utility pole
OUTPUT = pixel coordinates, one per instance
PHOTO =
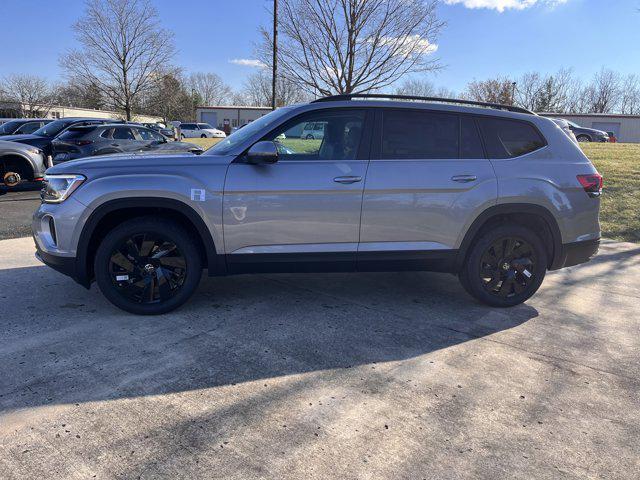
(513, 93)
(275, 54)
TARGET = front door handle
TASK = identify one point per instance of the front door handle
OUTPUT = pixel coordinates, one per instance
(347, 180)
(464, 178)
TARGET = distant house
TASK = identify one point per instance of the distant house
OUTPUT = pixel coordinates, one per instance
(221, 116)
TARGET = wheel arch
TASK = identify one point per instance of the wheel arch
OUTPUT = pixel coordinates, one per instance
(113, 212)
(536, 217)
(22, 160)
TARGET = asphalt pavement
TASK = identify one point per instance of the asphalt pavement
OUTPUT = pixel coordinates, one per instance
(16, 208)
(380, 375)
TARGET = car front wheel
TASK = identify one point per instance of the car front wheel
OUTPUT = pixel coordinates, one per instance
(505, 267)
(147, 266)
(583, 138)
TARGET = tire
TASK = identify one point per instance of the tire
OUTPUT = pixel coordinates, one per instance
(203, 136)
(583, 138)
(131, 274)
(182, 136)
(485, 275)
(309, 137)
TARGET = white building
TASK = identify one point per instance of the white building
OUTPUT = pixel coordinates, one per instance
(58, 111)
(626, 128)
(220, 116)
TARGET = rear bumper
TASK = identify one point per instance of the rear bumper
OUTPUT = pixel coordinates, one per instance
(576, 253)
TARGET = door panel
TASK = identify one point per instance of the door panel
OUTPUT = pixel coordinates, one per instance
(305, 205)
(425, 201)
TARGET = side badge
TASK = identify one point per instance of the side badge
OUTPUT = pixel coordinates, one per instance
(198, 195)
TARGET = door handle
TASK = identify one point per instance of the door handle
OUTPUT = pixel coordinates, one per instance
(464, 178)
(347, 180)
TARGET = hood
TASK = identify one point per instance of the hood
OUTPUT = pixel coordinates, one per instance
(130, 163)
(6, 146)
(34, 140)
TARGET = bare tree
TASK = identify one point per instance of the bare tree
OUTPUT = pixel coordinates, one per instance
(495, 90)
(630, 95)
(423, 88)
(123, 49)
(602, 94)
(351, 46)
(258, 90)
(211, 88)
(77, 93)
(171, 98)
(32, 95)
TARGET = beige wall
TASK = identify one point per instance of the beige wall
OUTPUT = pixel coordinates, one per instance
(627, 127)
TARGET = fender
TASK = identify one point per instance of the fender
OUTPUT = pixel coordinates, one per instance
(22, 156)
(215, 263)
(514, 209)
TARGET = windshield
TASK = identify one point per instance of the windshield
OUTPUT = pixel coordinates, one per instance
(53, 128)
(9, 127)
(239, 136)
(573, 124)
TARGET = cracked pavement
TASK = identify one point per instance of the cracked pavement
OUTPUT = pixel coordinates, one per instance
(378, 375)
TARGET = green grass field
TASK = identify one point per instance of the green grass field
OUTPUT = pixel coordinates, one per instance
(619, 163)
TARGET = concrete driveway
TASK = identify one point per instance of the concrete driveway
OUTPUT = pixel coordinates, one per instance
(322, 376)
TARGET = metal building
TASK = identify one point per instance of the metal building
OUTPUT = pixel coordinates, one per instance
(626, 128)
(220, 116)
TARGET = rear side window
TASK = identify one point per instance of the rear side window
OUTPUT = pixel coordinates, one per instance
(505, 138)
(123, 133)
(420, 135)
(470, 143)
(74, 133)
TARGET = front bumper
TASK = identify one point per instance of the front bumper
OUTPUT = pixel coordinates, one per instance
(65, 265)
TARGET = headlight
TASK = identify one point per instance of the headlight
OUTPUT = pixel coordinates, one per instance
(58, 187)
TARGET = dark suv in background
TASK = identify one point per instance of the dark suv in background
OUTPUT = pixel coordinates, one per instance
(86, 141)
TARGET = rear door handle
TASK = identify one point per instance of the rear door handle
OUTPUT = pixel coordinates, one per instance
(464, 178)
(347, 180)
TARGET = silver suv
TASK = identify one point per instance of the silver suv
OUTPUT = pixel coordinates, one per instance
(494, 194)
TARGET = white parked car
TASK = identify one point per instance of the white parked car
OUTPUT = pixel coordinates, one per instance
(200, 130)
(313, 130)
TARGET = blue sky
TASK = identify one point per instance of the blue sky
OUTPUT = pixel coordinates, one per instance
(477, 43)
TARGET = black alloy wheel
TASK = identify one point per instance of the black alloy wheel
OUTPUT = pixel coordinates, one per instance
(505, 266)
(147, 268)
(148, 265)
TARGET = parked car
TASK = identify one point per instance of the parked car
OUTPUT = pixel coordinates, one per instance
(21, 162)
(584, 134)
(91, 140)
(200, 130)
(161, 128)
(566, 128)
(313, 130)
(21, 126)
(43, 137)
(494, 194)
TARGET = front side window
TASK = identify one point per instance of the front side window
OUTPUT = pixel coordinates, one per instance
(340, 140)
(420, 135)
(187, 126)
(204, 126)
(149, 135)
(505, 138)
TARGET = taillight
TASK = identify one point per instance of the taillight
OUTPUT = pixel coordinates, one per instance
(81, 143)
(592, 183)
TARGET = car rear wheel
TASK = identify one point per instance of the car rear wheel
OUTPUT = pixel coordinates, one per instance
(505, 267)
(309, 137)
(203, 136)
(147, 266)
(583, 138)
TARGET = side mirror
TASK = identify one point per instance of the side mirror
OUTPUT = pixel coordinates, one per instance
(262, 153)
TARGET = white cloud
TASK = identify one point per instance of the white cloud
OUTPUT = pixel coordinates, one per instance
(248, 62)
(502, 5)
(409, 44)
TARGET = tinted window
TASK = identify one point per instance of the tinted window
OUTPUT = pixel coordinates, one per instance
(72, 133)
(470, 143)
(149, 135)
(509, 138)
(123, 133)
(414, 134)
(188, 126)
(28, 128)
(340, 141)
(204, 125)
(10, 127)
(52, 129)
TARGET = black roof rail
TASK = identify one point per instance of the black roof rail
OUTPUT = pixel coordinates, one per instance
(351, 96)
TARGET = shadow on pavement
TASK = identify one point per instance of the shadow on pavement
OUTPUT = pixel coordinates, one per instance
(60, 343)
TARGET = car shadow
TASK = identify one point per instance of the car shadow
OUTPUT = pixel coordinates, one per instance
(60, 343)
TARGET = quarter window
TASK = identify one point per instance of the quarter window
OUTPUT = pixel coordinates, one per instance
(420, 135)
(509, 138)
